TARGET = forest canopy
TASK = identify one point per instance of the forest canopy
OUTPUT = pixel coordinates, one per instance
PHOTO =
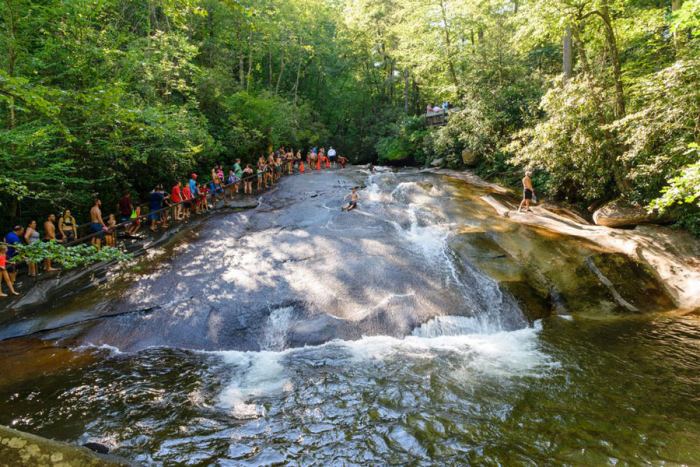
(601, 98)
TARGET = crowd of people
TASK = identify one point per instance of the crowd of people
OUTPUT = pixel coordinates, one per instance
(183, 200)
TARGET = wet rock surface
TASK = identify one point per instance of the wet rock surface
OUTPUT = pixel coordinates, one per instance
(23, 449)
(420, 245)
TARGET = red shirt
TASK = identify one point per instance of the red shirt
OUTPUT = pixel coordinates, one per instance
(3, 261)
(186, 193)
(175, 195)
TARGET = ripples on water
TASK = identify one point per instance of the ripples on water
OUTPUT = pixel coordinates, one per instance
(575, 392)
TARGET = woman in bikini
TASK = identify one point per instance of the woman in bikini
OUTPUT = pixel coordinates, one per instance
(31, 236)
(248, 180)
(67, 227)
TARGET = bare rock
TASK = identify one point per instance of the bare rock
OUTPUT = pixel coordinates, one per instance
(619, 213)
(469, 158)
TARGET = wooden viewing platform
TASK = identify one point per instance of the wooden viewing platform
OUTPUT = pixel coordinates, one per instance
(437, 118)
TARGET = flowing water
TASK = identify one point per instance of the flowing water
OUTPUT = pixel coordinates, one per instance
(419, 329)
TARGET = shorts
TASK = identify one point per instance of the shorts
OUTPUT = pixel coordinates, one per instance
(153, 216)
(332, 158)
(11, 267)
(96, 228)
(352, 204)
(527, 194)
(187, 204)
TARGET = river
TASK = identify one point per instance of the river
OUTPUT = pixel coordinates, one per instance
(419, 328)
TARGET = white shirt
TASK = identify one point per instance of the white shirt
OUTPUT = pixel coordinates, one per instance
(331, 152)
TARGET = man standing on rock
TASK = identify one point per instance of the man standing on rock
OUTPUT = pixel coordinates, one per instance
(49, 235)
(331, 156)
(528, 192)
(97, 225)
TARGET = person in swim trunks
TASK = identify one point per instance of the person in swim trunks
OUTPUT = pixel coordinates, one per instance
(528, 192)
(354, 197)
(97, 225)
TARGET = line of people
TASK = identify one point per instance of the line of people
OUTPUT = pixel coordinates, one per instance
(186, 199)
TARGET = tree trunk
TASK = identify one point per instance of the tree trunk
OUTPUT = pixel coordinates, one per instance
(279, 77)
(405, 91)
(448, 44)
(675, 6)
(567, 56)
(611, 42)
(296, 82)
(241, 69)
(11, 55)
(618, 170)
(250, 60)
(269, 68)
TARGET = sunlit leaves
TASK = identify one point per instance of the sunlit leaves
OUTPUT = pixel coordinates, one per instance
(68, 257)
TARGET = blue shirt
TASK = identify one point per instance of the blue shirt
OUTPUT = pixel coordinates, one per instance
(156, 200)
(12, 239)
(193, 188)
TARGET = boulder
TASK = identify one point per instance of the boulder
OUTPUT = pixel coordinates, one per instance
(438, 162)
(469, 158)
(620, 213)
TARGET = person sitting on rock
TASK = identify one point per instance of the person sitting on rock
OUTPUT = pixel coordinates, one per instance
(354, 197)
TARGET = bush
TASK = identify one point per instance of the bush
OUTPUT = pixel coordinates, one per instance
(68, 257)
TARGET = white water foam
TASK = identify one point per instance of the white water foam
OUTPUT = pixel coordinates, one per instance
(256, 374)
(485, 352)
(110, 348)
(275, 337)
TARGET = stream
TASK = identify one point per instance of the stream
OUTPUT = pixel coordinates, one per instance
(420, 328)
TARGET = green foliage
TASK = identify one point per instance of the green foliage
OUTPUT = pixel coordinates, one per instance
(657, 135)
(68, 257)
(471, 128)
(570, 144)
(96, 96)
(406, 144)
(682, 195)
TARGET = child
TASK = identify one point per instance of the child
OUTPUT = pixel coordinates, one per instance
(135, 221)
(111, 235)
(3, 271)
(354, 198)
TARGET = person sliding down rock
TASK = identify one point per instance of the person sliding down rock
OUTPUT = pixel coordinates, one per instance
(354, 197)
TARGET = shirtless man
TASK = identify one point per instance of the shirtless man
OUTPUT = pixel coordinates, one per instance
(49, 234)
(528, 192)
(354, 198)
(97, 225)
